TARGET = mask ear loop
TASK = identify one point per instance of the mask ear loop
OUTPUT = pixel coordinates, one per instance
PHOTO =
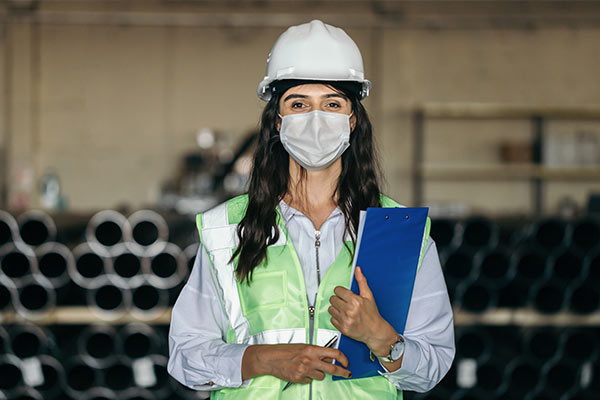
(351, 127)
(279, 122)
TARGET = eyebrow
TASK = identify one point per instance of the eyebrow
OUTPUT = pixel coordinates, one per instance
(295, 96)
(302, 96)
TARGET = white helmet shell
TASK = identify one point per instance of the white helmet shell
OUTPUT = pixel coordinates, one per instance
(314, 51)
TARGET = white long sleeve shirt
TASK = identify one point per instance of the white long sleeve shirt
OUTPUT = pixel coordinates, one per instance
(201, 359)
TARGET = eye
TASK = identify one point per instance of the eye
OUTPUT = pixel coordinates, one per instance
(333, 105)
(297, 105)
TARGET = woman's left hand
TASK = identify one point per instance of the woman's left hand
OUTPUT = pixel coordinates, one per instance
(357, 316)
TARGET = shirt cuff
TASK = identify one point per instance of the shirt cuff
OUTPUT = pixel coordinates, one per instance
(229, 367)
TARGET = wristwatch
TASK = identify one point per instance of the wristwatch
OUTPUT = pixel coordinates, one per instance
(396, 351)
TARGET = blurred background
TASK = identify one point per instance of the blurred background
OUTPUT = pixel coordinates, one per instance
(120, 120)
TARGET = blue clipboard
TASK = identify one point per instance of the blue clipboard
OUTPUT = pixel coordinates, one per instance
(389, 248)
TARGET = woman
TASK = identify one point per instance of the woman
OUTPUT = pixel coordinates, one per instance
(269, 287)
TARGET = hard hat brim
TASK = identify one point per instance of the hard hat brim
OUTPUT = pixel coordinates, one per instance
(265, 88)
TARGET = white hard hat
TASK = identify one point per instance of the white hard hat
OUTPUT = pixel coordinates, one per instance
(314, 51)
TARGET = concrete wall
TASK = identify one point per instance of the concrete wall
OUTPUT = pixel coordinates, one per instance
(3, 121)
(525, 67)
(111, 108)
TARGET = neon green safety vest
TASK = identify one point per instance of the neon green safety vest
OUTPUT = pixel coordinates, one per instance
(274, 309)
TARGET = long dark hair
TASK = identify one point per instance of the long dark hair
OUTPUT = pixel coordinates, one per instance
(357, 187)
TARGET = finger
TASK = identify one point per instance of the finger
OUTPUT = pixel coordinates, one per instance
(335, 354)
(338, 303)
(363, 287)
(342, 359)
(316, 374)
(336, 324)
(343, 293)
(340, 313)
(334, 312)
(327, 359)
(333, 369)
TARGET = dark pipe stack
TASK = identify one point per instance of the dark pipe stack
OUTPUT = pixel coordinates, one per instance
(550, 266)
(114, 266)
(125, 265)
(86, 362)
(511, 362)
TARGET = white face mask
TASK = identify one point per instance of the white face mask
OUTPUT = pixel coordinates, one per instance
(315, 139)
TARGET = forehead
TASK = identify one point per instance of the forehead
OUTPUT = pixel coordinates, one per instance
(311, 90)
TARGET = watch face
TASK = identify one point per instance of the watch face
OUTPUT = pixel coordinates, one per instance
(397, 351)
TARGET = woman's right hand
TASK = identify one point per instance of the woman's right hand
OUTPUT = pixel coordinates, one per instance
(299, 363)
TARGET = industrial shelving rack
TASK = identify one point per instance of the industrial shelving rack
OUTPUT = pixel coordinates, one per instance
(494, 317)
(535, 172)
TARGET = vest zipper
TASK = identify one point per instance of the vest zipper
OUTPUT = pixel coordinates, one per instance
(311, 309)
(317, 245)
(311, 323)
(311, 326)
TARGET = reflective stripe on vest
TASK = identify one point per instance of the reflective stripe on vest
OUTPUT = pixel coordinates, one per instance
(219, 238)
(274, 309)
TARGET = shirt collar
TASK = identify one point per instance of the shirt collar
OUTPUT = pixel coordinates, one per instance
(287, 211)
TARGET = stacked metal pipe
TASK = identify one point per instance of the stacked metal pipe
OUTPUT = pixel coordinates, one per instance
(114, 266)
(86, 362)
(511, 362)
(125, 265)
(550, 265)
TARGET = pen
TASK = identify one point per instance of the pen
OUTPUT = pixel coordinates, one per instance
(329, 344)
